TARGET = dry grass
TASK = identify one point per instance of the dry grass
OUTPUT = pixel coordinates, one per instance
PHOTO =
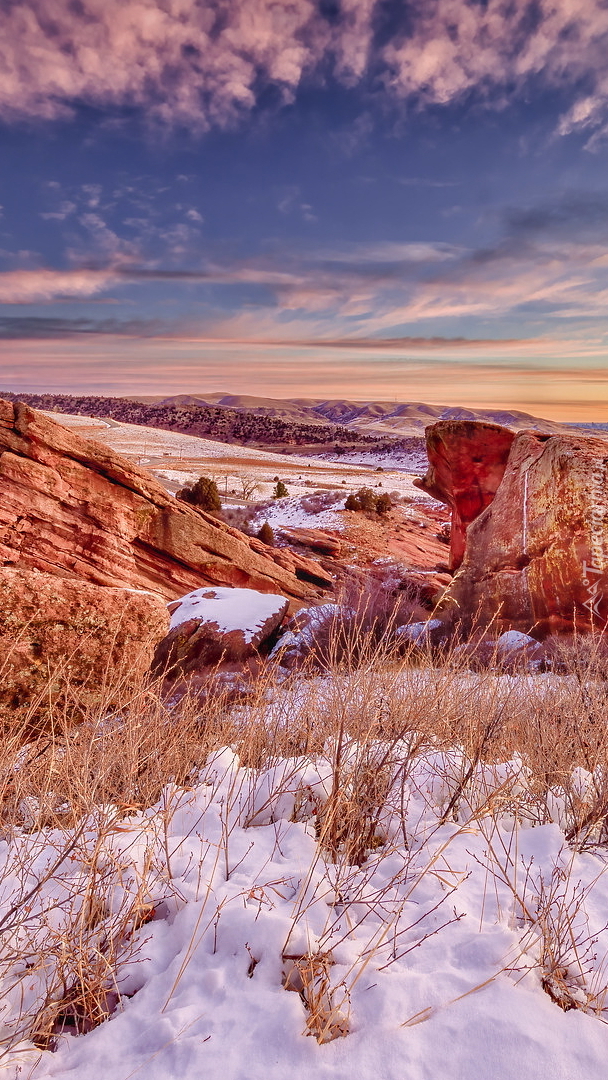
(371, 718)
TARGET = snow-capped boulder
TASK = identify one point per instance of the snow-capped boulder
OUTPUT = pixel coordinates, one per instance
(512, 642)
(421, 633)
(217, 626)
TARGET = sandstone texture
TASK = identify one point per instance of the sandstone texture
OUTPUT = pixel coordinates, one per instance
(74, 508)
(536, 557)
(466, 465)
(69, 642)
(213, 629)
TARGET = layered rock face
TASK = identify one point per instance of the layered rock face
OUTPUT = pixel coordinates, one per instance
(466, 465)
(68, 642)
(536, 557)
(72, 507)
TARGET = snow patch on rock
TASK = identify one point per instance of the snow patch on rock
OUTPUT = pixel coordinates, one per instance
(230, 609)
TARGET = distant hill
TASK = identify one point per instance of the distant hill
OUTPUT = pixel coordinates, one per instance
(383, 417)
(246, 427)
(334, 425)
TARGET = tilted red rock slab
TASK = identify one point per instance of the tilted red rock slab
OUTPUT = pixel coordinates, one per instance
(73, 507)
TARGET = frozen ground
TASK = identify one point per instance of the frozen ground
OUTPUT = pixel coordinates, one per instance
(267, 957)
(406, 461)
(290, 512)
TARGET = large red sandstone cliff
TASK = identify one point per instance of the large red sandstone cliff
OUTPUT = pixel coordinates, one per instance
(72, 507)
(531, 523)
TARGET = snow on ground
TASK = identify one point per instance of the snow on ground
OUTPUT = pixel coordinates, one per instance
(290, 513)
(426, 961)
(178, 476)
(401, 460)
(138, 439)
(230, 609)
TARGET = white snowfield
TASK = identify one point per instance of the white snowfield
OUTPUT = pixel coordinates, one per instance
(230, 609)
(426, 961)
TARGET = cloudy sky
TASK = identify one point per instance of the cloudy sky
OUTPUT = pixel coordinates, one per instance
(358, 198)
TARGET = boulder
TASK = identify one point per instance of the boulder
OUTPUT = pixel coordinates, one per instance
(536, 557)
(307, 636)
(73, 507)
(466, 465)
(70, 643)
(316, 540)
(422, 634)
(213, 628)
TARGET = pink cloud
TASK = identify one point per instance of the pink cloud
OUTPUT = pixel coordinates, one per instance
(35, 286)
(183, 61)
(201, 62)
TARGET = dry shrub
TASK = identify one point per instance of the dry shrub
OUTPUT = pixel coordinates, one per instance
(359, 628)
(309, 976)
(241, 517)
(318, 501)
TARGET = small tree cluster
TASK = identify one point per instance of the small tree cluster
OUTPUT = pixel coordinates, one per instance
(366, 500)
(202, 493)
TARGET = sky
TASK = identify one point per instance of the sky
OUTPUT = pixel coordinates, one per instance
(364, 199)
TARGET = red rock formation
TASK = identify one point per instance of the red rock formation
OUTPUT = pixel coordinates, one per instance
(316, 540)
(72, 507)
(537, 556)
(69, 642)
(466, 465)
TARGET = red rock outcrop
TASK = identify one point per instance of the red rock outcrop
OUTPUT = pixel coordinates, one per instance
(537, 557)
(466, 465)
(73, 507)
(316, 540)
(69, 642)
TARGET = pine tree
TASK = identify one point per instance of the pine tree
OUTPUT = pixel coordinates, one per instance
(266, 535)
(280, 490)
(203, 493)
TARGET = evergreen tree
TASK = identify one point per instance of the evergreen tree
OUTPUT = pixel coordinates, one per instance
(280, 490)
(203, 493)
(266, 535)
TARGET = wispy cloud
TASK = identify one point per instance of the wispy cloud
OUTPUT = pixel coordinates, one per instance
(35, 286)
(549, 260)
(202, 63)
